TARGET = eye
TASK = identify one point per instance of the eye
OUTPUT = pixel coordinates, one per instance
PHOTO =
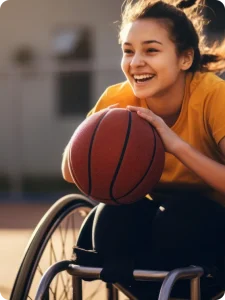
(127, 51)
(152, 50)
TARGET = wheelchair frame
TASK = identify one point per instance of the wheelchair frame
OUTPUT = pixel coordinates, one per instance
(169, 279)
(62, 208)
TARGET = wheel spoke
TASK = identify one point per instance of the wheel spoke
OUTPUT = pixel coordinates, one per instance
(53, 254)
(65, 291)
(94, 293)
(63, 243)
(74, 228)
(40, 270)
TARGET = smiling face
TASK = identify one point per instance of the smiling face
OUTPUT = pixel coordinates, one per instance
(150, 61)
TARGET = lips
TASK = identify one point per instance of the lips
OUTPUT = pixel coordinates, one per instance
(143, 77)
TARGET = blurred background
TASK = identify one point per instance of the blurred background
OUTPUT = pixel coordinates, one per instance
(56, 59)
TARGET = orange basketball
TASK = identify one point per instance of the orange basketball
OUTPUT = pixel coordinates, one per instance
(116, 157)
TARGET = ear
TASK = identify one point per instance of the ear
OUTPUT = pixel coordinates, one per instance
(186, 59)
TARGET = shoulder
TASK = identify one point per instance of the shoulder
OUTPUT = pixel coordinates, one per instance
(118, 93)
(207, 83)
(207, 92)
(209, 100)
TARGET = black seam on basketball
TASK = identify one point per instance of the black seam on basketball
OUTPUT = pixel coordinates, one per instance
(121, 157)
(89, 153)
(150, 164)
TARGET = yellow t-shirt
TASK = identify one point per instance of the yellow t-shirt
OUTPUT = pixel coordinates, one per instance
(201, 123)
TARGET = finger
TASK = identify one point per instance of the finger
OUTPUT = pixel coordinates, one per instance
(133, 108)
(137, 108)
(113, 105)
(146, 116)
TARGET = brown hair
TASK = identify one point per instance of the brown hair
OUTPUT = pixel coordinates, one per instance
(185, 21)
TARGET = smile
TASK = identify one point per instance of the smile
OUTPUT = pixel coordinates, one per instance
(142, 78)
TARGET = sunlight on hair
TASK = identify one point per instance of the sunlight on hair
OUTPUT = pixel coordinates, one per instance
(211, 57)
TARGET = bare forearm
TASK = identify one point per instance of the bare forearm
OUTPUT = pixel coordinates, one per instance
(212, 172)
(65, 168)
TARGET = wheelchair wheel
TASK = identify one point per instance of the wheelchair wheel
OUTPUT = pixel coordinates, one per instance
(52, 241)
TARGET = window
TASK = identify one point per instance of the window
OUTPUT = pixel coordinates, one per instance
(74, 92)
(73, 52)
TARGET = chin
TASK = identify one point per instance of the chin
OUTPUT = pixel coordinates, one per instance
(142, 94)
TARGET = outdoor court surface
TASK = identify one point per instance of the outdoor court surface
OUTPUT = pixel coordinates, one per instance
(17, 222)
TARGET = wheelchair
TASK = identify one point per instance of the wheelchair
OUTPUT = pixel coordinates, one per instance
(48, 271)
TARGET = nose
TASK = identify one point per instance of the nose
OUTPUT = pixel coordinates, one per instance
(137, 61)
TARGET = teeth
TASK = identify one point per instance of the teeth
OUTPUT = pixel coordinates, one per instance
(144, 76)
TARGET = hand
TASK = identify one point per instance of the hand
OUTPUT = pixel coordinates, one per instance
(170, 139)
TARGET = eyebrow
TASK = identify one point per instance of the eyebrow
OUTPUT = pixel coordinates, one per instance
(145, 42)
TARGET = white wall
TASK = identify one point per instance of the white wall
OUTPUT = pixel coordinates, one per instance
(32, 135)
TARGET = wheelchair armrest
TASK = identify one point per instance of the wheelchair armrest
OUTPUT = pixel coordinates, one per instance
(169, 278)
(140, 275)
(194, 273)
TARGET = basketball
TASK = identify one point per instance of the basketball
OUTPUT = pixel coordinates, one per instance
(116, 157)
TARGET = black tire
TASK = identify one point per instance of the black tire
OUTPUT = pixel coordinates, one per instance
(38, 241)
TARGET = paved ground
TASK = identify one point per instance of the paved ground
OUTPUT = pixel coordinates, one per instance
(17, 222)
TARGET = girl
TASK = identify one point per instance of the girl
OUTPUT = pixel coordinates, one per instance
(171, 83)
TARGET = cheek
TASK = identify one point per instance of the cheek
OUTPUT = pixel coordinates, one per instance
(159, 64)
(124, 65)
(168, 67)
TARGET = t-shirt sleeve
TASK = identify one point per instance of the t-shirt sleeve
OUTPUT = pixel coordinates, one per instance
(215, 112)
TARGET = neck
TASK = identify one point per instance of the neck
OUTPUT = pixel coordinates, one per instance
(168, 104)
